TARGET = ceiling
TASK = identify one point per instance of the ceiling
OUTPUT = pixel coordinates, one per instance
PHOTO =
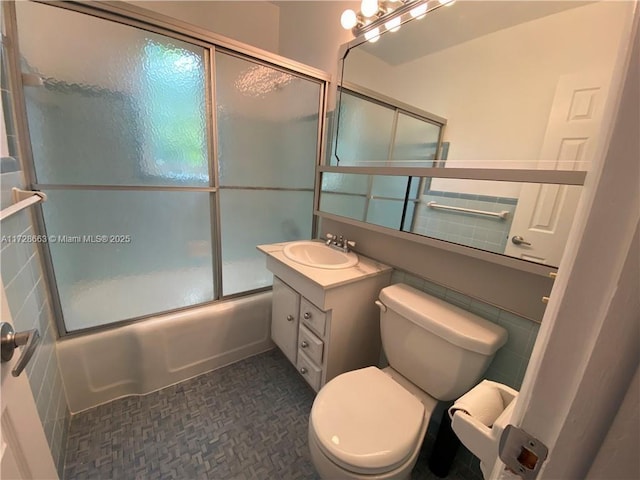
(460, 22)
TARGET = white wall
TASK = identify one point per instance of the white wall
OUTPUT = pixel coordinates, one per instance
(306, 31)
(310, 32)
(497, 90)
(618, 455)
(253, 22)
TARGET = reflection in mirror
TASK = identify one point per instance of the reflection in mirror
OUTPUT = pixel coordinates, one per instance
(482, 221)
(501, 73)
(516, 84)
(374, 130)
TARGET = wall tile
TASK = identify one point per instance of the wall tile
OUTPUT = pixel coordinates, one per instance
(484, 310)
(476, 231)
(27, 298)
(434, 289)
(458, 299)
(26, 292)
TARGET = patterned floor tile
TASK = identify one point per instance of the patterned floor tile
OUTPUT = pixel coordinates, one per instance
(245, 421)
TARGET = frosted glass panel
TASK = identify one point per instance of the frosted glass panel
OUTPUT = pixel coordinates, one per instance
(124, 254)
(394, 186)
(365, 132)
(352, 206)
(347, 183)
(255, 217)
(118, 105)
(416, 142)
(267, 124)
(386, 213)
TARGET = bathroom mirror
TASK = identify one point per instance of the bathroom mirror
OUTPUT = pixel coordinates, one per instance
(518, 85)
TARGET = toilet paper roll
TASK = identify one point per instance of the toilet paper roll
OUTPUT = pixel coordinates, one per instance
(483, 402)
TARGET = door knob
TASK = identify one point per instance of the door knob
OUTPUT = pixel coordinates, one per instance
(10, 340)
(518, 240)
(290, 318)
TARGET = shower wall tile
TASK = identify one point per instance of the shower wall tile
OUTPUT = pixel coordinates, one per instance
(510, 363)
(24, 283)
(475, 231)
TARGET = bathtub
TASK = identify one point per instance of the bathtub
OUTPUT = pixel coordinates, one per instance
(139, 358)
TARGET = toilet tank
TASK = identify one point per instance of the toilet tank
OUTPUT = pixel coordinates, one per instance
(439, 347)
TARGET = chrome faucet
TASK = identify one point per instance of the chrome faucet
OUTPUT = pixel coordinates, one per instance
(330, 237)
(339, 243)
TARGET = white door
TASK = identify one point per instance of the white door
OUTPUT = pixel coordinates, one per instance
(24, 452)
(545, 213)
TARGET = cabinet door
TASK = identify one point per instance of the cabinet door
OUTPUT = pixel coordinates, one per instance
(284, 318)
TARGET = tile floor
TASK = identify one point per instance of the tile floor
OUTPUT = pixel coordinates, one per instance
(244, 421)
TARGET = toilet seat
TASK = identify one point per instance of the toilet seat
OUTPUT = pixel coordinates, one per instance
(367, 423)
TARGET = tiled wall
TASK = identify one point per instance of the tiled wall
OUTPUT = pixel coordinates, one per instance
(508, 366)
(24, 283)
(30, 308)
(486, 233)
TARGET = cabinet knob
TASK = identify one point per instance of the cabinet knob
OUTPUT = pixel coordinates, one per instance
(290, 318)
(304, 344)
(307, 315)
(303, 370)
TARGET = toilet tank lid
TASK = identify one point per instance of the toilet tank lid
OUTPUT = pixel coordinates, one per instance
(457, 326)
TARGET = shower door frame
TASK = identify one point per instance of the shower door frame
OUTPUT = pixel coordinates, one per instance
(147, 20)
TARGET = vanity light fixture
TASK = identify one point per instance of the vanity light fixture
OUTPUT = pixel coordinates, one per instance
(372, 35)
(378, 16)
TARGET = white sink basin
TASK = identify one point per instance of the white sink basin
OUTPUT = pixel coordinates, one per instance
(317, 254)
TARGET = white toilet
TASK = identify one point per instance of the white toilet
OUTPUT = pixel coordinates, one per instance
(370, 423)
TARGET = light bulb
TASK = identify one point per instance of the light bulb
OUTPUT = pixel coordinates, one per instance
(369, 7)
(372, 35)
(348, 20)
(419, 12)
(447, 3)
(393, 25)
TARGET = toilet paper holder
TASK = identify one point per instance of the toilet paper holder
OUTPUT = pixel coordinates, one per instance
(483, 440)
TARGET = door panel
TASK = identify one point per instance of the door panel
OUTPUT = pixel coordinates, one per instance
(545, 213)
(24, 452)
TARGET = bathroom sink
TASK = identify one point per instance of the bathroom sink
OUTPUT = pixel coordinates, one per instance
(317, 254)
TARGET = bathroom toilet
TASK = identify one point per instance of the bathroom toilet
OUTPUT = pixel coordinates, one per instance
(370, 423)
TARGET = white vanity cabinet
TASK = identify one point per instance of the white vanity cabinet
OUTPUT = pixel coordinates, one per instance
(326, 321)
(285, 317)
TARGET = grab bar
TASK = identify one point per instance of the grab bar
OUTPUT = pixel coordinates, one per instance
(502, 215)
(23, 199)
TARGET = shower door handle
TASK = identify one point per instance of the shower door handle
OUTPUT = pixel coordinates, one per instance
(10, 340)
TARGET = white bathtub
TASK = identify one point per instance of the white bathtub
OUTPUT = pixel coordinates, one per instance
(151, 354)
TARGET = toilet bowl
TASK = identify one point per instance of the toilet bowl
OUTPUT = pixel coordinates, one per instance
(370, 423)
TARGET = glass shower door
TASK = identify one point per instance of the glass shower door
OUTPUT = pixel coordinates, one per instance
(119, 133)
(267, 125)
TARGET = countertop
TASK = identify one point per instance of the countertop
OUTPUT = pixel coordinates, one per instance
(325, 278)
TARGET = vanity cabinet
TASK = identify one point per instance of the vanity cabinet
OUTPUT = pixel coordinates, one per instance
(326, 321)
(285, 318)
